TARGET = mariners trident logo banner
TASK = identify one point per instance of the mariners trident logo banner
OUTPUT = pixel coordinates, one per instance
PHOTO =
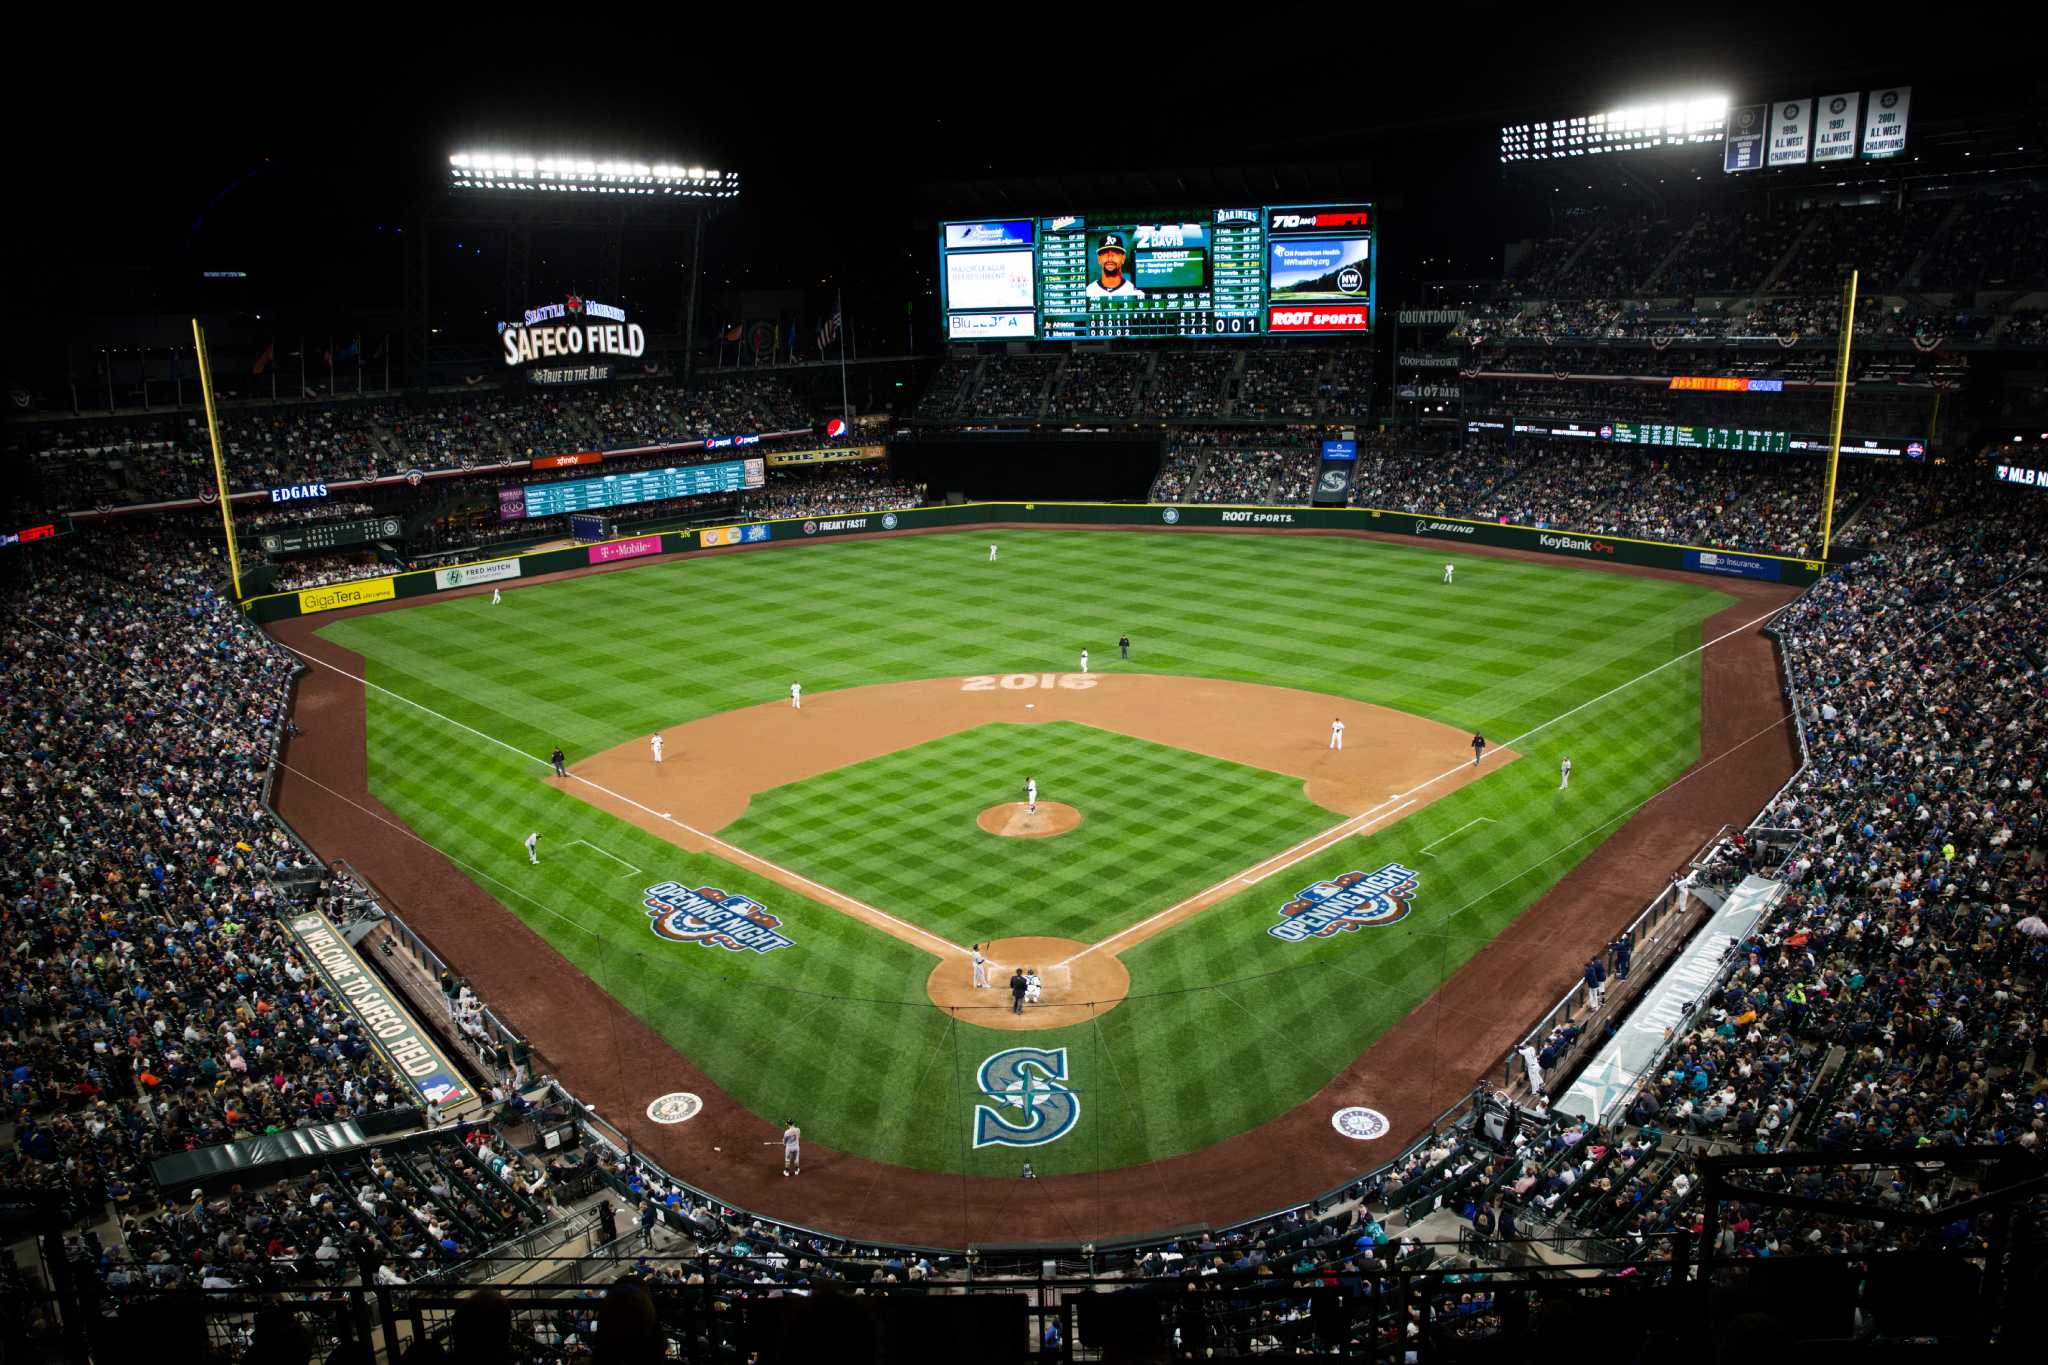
(713, 918)
(1349, 902)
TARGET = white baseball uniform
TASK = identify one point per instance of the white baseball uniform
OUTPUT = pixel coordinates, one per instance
(792, 1150)
(1336, 734)
(533, 847)
(980, 970)
(1031, 795)
(991, 554)
(1031, 988)
(657, 748)
(1084, 661)
(796, 695)
(497, 596)
(1564, 774)
(1447, 573)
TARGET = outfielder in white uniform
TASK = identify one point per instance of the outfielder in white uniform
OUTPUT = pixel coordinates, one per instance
(657, 748)
(1031, 796)
(991, 554)
(1031, 985)
(1084, 661)
(1564, 773)
(1447, 573)
(980, 969)
(1336, 734)
(796, 696)
(496, 597)
(533, 847)
(792, 1149)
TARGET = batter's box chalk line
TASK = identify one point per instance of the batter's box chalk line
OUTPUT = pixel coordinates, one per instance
(613, 856)
(1482, 820)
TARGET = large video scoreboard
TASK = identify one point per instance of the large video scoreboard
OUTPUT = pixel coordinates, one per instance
(1301, 269)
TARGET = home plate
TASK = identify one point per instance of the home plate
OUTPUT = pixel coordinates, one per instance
(1030, 706)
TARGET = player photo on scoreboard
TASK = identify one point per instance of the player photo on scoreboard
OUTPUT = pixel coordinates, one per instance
(1145, 258)
(1320, 270)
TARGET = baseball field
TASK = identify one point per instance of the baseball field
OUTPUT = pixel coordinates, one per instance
(1223, 911)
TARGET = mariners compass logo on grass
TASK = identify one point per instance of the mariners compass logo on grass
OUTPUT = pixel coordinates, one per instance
(713, 918)
(1032, 1105)
(1352, 901)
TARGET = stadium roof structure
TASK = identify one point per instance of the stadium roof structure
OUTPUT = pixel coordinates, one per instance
(570, 174)
(1106, 190)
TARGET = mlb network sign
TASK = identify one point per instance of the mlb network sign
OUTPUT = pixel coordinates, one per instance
(1353, 901)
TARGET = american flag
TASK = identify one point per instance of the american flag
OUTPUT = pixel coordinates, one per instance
(828, 330)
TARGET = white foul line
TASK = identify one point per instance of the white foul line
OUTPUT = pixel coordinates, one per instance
(733, 852)
(613, 856)
(1482, 820)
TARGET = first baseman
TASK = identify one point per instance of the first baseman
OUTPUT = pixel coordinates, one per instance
(533, 848)
(1337, 734)
(657, 748)
(1031, 796)
(796, 696)
(1564, 773)
(792, 1149)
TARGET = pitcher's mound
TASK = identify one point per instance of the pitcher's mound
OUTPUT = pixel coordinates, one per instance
(1052, 817)
(1070, 992)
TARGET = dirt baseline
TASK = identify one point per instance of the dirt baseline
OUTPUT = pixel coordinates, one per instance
(612, 1060)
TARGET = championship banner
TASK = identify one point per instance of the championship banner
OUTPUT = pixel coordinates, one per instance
(1744, 148)
(825, 455)
(1834, 129)
(1791, 133)
(391, 1028)
(347, 595)
(1884, 122)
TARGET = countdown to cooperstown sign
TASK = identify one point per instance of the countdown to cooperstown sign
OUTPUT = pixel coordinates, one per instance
(576, 328)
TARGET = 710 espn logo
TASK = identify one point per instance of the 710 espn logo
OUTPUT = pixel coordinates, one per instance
(1350, 317)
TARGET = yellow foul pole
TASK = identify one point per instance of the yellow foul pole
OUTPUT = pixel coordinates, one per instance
(220, 469)
(1827, 512)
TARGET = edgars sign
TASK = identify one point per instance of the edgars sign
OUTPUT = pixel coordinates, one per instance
(576, 327)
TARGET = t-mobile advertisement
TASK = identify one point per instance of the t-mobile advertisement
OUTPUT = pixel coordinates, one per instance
(625, 549)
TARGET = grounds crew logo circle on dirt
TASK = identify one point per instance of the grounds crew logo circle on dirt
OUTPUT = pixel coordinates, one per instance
(713, 918)
(679, 1106)
(1352, 901)
(1359, 1123)
(1027, 1080)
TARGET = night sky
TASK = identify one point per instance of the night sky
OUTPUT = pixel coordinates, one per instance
(296, 158)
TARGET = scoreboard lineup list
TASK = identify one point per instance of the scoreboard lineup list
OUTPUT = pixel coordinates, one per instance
(1228, 305)
(617, 490)
(1285, 269)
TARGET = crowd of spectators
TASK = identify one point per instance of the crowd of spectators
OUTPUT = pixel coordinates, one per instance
(1097, 382)
(830, 490)
(1998, 241)
(153, 1002)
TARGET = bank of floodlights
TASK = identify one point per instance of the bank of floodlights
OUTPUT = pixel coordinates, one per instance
(515, 173)
(1667, 123)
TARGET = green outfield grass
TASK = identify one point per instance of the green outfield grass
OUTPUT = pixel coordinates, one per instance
(1228, 1025)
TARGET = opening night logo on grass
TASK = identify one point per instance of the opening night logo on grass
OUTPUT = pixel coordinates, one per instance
(713, 918)
(1028, 1080)
(1355, 900)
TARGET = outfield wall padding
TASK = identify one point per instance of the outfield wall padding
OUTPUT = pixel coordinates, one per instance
(1565, 545)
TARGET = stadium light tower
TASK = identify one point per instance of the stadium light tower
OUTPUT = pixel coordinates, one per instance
(520, 172)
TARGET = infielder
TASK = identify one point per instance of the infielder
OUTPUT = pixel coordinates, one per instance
(796, 696)
(1564, 773)
(496, 597)
(1478, 748)
(980, 969)
(792, 1149)
(1337, 734)
(533, 848)
(991, 554)
(1031, 796)
(657, 748)
(1084, 661)
(1447, 573)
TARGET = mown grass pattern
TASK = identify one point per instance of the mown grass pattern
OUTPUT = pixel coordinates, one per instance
(1229, 1026)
